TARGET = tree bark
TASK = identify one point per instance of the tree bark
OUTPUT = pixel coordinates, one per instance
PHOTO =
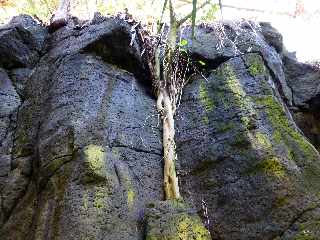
(166, 108)
(60, 17)
(171, 184)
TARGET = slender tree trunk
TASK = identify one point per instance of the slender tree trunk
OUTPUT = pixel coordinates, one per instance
(168, 87)
(63, 10)
(166, 107)
(171, 184)
(60, 17)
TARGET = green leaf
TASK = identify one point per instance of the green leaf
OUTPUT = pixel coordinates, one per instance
(183, 42)
(183, 50)
(202, 63)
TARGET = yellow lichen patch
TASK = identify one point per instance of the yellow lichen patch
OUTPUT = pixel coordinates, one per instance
(271, 167)
(95, 156)
(174, 221)
(261, 140)
(183, 228)
(191, 228)
(99, 198)
(201, 232)
(130, 197)
(245, 121)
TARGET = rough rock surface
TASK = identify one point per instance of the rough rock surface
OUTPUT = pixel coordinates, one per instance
(81, 153)
(304, 80)
(174, 220)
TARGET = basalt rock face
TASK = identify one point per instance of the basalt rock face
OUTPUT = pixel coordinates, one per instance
(81, 152)
(86, 152)
(304, 81)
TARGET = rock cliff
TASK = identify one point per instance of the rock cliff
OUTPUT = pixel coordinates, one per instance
(81, 152)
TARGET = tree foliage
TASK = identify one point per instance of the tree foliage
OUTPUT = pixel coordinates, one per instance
(146, 11)
(43, 9)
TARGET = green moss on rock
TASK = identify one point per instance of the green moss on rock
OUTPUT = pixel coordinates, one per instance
(298, 148)
(205, 99)
(245, 121)
(261, 140)
(256, 65)
(271, 166)
(22, 145)
(240, 140)
(99, 198)
(233, 95)
(232, 81)
(283, 130)
(305, 236)
(60, 182)
(173, 220)
(308, 231)
(182, 227)
(205, 120)
(190, 228)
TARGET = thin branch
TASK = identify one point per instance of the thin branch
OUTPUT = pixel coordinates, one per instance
(256, 10)
(183, 20)
(163, 9)
(193, 18)
(220, 4)
(172, 14)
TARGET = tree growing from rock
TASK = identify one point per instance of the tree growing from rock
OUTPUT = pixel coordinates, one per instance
(169, 84)
(60, 17)
(169, 79)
